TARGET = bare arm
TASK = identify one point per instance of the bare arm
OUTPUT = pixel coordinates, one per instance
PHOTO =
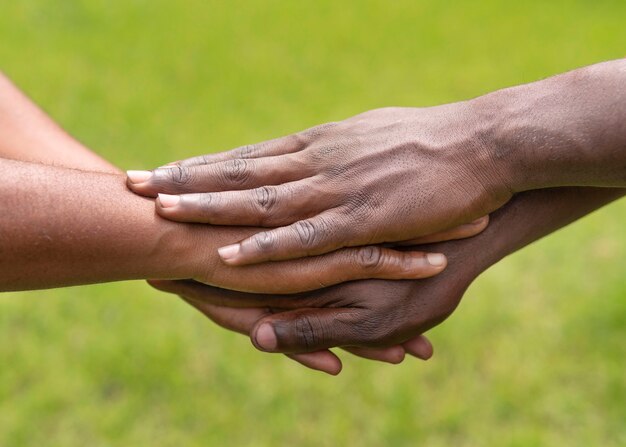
(394, 174)
(23, 125)
(567, 130)
(64, 226)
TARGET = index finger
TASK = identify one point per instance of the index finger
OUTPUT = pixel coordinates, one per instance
(277, 146)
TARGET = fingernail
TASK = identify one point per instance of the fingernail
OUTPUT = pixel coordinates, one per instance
(266, 338)
(168, 200)
(436, 259)
(138, 176)
(228, 252)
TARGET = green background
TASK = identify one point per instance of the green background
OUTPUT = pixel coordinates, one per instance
(535, 355)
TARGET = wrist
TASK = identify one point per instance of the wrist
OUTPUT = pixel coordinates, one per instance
(501, 128)
(180, 251)
(566, 130)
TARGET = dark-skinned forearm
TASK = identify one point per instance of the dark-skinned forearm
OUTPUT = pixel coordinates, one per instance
(528, 217)
(567, 130)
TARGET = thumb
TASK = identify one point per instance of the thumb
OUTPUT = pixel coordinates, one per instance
(308, 330)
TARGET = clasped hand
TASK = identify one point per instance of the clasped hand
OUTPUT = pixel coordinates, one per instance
(387, 181)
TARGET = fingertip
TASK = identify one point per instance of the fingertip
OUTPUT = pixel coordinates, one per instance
(139, 182)
(335, 369)
(438, 260)
(324, 361)
(264, 338)
(480, 224)
(167, 200)
(481, 220)
(138, 177)
(420, 265)
(419, 347)
(230, 254)
(396, 355)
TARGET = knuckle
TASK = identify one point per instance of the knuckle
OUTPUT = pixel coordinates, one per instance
(308, 232)
(308, 331)
(359, 204)
(206, 201)
(298, 140)
(247, 151)
(318, 131)
(179, 176)
(265, 198)
(235, 171)
(336, 170)
(371, 258)
(206, 159)
(329, 155)
(264, 241)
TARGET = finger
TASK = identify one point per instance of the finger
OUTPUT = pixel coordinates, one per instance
(278, 146)
(393, 354)
(419, 346)
(241, 321)
(324, 360)
(320, 234)
(311, 273)
(229, 175)
(461, 232)
(310, 330)
(280, 281)
(265, 206)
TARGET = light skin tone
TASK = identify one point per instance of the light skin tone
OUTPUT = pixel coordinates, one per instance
(371, 178)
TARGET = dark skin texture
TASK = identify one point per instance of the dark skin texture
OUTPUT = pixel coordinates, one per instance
(68, 219)
(62, 227)
(389, 313)
(396, 174)
(311, 327)
(28, 134)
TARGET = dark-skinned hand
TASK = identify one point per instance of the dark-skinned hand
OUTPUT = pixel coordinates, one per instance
(388, 175)
(388, 314)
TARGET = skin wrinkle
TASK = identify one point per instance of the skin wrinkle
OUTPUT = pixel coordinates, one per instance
(443, 148)
(103, 233)
(55, 147)
(406, 308)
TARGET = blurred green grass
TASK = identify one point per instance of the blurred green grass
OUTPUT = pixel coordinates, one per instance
(535, 354)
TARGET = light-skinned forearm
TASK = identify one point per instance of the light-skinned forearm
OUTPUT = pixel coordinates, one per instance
(64, 227)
